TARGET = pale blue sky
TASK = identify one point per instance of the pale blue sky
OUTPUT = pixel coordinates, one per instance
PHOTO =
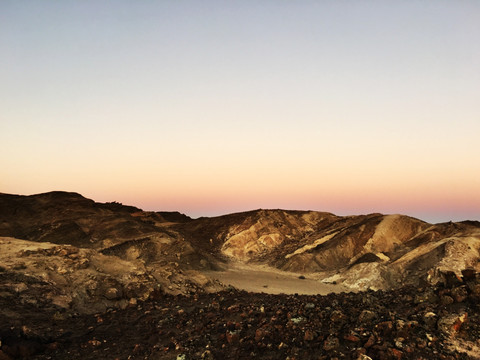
(154, 103)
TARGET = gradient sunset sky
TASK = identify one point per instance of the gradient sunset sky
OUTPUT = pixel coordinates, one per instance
(212, 107)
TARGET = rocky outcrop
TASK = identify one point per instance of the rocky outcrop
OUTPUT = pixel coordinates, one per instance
(256, 238)
(84, 280)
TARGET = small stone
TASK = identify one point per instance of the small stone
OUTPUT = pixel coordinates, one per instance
(83, 263)
(352, 338)
(427, 296)
(112, 293)
(207, 355)
(370, 342)
(451, 324)
(385, 327)
(396, 354)
(460, 293)
(20, 287)
(309, 335)
(309, 306)
(446, 300)
(364, 357)
(430, 319)
(232, 336)
(331, 343)
(62, 270)
(58, 316)
(132, 301)
(367, 316)
(399, 342)
(260, 334)
(62, 252)
(338, 316)
(297, 320)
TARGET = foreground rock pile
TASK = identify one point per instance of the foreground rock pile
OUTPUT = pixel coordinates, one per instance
(441, 322)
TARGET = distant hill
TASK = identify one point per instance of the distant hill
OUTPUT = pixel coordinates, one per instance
(365, 251)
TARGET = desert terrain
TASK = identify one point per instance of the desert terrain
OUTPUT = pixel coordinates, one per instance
(87, 280)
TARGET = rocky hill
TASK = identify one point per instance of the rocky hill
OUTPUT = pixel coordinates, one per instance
(73, 270)
(367, 251)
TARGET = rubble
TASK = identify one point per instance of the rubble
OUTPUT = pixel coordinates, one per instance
(240, 325)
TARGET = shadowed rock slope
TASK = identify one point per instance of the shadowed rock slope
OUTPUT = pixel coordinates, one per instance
(88, 256)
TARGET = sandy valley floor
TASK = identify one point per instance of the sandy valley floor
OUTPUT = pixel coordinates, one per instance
(261, 278)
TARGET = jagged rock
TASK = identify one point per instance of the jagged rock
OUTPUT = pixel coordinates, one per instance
(309, 306)
(207, 355)
(338, 316)
(371, 340)
(451, 324)
(430, 319)
(331, 343)
(367, 316)
(233, 336)
(446, 300)
(427, 296)
(460, 293)
(385, 328)
(309, 335)
(364, 357)
(351, 337)
(112, 294)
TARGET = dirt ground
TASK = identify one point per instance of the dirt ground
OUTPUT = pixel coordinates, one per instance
(262, 278)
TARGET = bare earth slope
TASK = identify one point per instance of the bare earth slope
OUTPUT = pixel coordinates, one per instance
(76, 275)
(367, 251)
(111, 233)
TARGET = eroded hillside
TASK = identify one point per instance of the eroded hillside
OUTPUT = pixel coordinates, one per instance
(366, 251)
(76, 275)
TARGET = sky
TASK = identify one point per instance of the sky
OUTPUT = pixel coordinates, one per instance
(213, 107)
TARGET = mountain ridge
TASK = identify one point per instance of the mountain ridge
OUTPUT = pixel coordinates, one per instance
(360, 251)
